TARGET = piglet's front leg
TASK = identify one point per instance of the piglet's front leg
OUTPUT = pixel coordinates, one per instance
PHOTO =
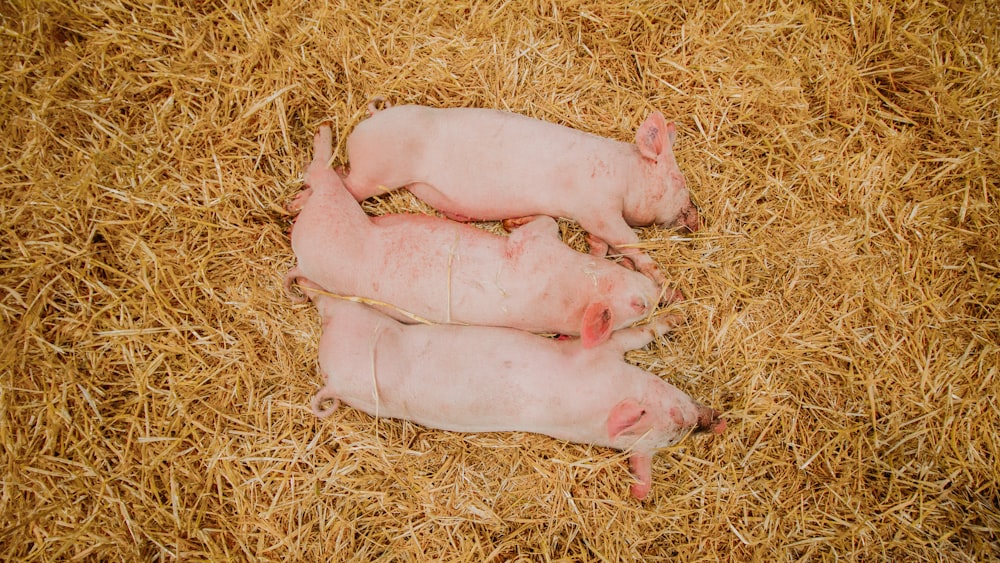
(623, 240)
(633, 338)
(641, 466)
(599, 248)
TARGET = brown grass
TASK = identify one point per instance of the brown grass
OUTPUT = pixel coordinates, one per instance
(843, 295)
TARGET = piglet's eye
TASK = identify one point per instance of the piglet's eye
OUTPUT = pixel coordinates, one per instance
(639, 304)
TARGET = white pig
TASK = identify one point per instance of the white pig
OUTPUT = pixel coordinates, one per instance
(442, 271)
(482, 164)
(490, 379)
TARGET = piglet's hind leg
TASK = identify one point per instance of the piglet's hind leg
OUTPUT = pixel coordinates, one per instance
(292, 278)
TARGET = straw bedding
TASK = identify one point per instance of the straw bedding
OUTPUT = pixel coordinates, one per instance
(842, 294)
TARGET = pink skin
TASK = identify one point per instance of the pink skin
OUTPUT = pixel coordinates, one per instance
(487, 164)
(491, 379)
(447, 272)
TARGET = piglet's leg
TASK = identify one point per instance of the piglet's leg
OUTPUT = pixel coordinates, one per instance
(621, 238)
(322, 152)
(319, 176)
(322, 147)
(292, 277)
(670, 295)
(535, 225)
(641, 466)
(510, 224)
(457, 217)
(598, 247)
(647, 266)
(317, 171)
(638, 336)
(300, 200)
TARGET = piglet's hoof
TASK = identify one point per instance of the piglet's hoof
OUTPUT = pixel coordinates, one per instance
(299, 201)
(510, 224)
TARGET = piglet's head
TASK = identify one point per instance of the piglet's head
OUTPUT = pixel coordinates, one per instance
(664, 198)
(644, 426)
(628, 297)
(619, 310)
(658, 422)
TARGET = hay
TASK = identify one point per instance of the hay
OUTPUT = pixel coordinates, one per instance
(843, 294)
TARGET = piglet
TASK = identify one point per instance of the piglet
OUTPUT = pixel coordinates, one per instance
(482, 164)
(490, 379)
(430, 268)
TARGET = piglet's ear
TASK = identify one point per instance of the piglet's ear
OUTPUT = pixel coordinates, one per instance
(626, 417)
(597, 322)
(654, 135)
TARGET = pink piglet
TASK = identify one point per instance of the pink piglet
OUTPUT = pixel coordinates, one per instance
(429, 268)
(487, 379)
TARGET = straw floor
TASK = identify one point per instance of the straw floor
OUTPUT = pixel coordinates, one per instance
(842, 295)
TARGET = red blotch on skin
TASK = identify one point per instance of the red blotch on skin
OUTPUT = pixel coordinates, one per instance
(676, 416)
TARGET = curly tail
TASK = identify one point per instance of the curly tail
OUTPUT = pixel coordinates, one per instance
(378, 104)
(322, 396)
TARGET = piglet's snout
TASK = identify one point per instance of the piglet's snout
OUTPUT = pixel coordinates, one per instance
(689, 219)
(710, 420)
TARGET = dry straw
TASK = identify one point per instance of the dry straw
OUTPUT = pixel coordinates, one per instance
(843, 293)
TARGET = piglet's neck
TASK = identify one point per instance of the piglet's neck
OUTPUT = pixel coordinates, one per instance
(329, 188)
(639, 196)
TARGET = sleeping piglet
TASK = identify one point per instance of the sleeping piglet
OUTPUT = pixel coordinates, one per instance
(491, 379)
(482, 164)
(446, 272)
